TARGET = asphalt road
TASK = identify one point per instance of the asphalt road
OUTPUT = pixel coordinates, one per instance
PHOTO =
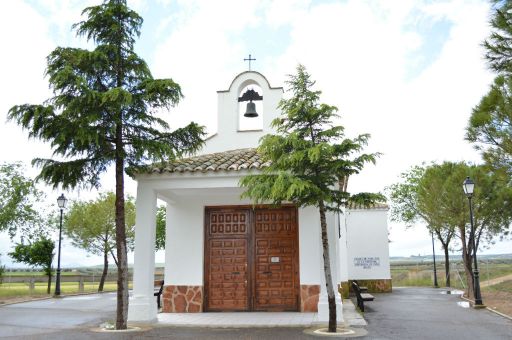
(407, 313)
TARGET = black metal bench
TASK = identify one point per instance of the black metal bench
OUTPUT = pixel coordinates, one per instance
(362, 289)
(159, 287)
(361, 297)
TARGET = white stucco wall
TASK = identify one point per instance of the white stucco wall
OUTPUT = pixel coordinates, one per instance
(184, 256)
(309, 252)
(367, 246)
(184, 249)
(187, 196)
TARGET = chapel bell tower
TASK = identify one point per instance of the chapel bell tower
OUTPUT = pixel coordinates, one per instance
(244, 112)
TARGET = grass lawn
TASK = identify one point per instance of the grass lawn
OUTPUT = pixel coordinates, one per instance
(421, 274)
(10, 291)
(499, 297)
(505, 286)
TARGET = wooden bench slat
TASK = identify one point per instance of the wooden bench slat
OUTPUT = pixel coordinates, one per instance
(367, 297)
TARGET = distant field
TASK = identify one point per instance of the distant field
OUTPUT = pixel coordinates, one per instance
(15, 290)
(422, 273)
(36, 274)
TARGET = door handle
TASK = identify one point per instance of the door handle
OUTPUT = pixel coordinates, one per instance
(267, 272)
(235, 272)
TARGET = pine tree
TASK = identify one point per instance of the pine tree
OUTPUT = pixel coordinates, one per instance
(103, 113)
(499, 44)
(309, 157)
(490, 125)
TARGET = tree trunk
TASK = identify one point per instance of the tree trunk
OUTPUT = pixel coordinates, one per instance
(327, 269)
(466, 258)
(468, 270)
(49, 288)
(105, 270)
(122, 268)
(447, 266)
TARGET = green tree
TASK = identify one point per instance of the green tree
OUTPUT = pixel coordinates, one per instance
(103, 113)
(309, 157)
(92, 226)
(417, 198)
(490, 125)
(492, 210)
(160, 227)
(499, 44)
(38, 253)
(434, 194)
(18, 195)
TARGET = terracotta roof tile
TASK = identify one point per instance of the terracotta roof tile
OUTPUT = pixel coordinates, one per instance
(233, 160)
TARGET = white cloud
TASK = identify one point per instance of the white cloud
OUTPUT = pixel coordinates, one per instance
(360, 54)
(203, 53)
(26, 44)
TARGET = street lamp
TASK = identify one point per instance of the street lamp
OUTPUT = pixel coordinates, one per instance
(469, 187)
(61, 201)
(434, 256)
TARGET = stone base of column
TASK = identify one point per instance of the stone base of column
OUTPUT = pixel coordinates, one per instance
(142, 309)
(323, 308)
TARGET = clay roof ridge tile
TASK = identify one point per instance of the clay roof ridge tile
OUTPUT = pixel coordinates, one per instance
(254, 165)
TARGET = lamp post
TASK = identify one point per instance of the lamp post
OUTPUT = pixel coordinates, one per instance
(61, 201)
(434, 256)
(469, 187)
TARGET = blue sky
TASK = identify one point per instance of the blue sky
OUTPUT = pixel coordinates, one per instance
(407, 72)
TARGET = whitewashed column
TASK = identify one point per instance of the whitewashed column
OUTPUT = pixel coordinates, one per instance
(342, 248)
(142, 307)
(323, 303)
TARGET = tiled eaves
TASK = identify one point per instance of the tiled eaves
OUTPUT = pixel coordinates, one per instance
(375, 206)
(233, 160)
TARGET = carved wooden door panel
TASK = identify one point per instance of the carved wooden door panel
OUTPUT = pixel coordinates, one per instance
(276, 261)
(226, 261)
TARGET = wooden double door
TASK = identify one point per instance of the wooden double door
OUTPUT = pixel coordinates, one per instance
(251, 259)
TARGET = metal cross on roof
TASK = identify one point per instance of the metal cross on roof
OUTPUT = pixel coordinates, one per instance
(249, 60)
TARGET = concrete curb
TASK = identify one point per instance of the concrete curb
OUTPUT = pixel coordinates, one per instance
(500, 313)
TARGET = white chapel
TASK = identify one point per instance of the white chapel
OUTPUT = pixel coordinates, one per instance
(223, 253)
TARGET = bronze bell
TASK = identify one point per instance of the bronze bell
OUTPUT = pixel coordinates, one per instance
(250, 112)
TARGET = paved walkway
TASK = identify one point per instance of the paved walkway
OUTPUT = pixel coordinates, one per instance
(55, 315)
(407, 313)
(429, 313)
(256, 319)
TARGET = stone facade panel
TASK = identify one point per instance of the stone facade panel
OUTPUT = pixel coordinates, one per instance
(182, 299)
(309, 295)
